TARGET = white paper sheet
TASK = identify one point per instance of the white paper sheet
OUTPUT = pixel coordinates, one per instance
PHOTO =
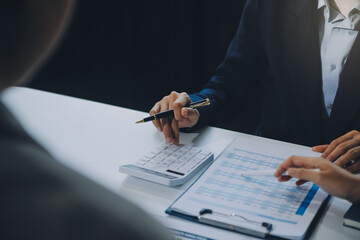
(222, 189)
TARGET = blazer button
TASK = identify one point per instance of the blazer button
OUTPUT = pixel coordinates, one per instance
(332, 67)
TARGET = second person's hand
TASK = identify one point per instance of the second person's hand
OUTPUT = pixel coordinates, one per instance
(333, 179)
(183, 116)
(344, 151)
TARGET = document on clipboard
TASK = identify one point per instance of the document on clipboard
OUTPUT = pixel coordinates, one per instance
(255, 205)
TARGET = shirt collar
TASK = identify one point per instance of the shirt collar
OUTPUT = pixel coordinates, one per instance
(333, 15)
(353, 15)
(324, 3)
(321, 3)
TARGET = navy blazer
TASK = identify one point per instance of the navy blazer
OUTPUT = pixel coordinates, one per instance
(277, 47)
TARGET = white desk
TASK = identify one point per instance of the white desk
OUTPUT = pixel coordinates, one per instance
(95, 138)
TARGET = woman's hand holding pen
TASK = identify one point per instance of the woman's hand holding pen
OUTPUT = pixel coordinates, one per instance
(345, 150)
(333, 179)
(183, 116)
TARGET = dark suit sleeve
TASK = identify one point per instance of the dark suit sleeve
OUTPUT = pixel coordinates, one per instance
(241, 71)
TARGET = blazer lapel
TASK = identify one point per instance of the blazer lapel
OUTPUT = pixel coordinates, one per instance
(303, 61)
(347, 100)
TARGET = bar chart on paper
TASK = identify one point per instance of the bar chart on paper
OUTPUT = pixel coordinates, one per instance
(223, 189)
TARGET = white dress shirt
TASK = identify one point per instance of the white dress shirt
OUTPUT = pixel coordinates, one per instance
(337, 36)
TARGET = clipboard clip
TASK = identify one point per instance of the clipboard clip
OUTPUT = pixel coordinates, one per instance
(254, 228)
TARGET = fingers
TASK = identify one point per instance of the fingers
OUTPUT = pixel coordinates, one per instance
(164, 123)
(320, 148)
(298, 161)
(191, 114)
(284, 178)
(349, 146)
(334, 144)
(188, 120)
(354, 167)
(331, 178)
(300, 182)
(295, 165)
(304, 175)
(352, 154)
(170, 126)
(190, 117)
(177, 101)
(282, 168)
(167, 131)
(154, 110)
(170, 130)
(175, 131)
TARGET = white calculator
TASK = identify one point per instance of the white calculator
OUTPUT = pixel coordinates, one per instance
(169, 164)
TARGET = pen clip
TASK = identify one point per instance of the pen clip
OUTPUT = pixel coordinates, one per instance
(201, 103)
(254, 228)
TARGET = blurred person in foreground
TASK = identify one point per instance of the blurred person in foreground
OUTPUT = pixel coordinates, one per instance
(41, 198)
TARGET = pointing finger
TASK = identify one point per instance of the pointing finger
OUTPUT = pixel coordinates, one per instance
(320, 148)
(175, 131)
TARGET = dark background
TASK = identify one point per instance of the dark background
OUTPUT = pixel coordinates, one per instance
(132, 53)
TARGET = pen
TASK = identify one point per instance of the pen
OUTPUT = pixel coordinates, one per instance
(267, 172)
(203, 102)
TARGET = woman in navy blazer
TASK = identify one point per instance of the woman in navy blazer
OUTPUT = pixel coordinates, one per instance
(276, 49)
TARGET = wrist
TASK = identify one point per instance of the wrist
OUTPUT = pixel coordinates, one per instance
(354, 195)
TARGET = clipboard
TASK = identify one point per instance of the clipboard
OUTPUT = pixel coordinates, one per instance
(221, 197)
(217, 219)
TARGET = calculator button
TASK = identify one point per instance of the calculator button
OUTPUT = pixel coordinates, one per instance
(181, 151)
(150, 155)
(184, 170)
(176, 155)
(186, 147)
(197, 159)
(195, 149)
(177, 165)
(182, 159)
(172, 148)
(163, 155)
(156, 151)
(156, 160)
(159, 158)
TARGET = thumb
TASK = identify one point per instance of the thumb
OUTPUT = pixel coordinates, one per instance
(192, 115)
(303, 173)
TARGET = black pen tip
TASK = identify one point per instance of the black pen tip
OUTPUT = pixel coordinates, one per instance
(140, 121)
